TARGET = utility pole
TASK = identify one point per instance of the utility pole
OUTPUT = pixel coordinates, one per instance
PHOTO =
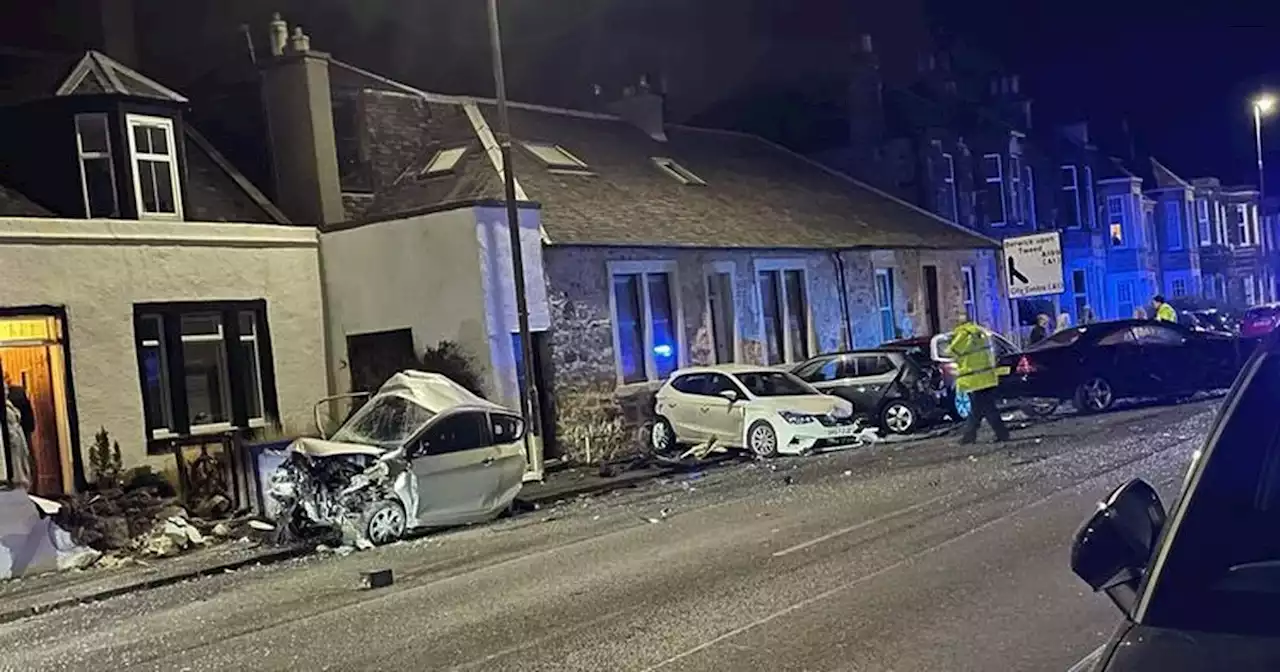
(528, 391)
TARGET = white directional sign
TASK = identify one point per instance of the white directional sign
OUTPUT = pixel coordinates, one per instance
(1033, 265)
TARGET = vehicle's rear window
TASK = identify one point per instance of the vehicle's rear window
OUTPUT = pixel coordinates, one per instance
(1261, 312)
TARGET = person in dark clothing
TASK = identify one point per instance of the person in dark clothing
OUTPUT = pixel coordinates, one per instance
(1040, 331)
(18, 397)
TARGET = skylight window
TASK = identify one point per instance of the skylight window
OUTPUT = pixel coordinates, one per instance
(679, 172)
(556, 157)
(445, 161)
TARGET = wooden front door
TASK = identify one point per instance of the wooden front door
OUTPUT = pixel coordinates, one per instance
(28, 366)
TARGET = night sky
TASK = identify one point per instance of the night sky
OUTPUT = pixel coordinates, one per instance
(1183, 73)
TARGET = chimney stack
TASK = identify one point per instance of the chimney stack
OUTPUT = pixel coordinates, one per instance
(298, 99)
(643, 108)
(119, 34)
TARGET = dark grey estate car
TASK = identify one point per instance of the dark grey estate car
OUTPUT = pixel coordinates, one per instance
(900, 388)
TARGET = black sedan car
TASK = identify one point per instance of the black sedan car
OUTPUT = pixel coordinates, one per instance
(1198, 584)
(1094, 365)
(901, 388)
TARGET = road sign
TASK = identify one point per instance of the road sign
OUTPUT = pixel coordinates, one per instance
(1033, 265)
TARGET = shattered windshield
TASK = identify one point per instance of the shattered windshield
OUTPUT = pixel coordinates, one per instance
(386, 421)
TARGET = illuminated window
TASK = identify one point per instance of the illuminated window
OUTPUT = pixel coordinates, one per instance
(646, 327)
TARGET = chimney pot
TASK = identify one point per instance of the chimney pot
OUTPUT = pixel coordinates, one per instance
(279, 34)
(597, 90)
(1014, 84)
(644, 83)
(300, 43)
(865, 43)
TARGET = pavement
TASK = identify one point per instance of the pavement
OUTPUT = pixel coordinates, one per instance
(901, 557)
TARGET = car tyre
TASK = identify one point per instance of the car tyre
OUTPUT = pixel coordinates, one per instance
(899, 417)
(662, 436)
(384, 522)
(1094, 395)
(762, 440)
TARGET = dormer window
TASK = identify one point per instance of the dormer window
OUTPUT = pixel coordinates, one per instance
(556, 157)
(154, 160)
(97, 175)
(679, 172)
(444, 162)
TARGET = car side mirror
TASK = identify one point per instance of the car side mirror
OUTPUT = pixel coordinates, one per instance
(1110, 552)
(731, 395)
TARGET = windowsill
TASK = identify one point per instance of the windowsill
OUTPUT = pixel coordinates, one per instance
(160, 438)
(161, 217)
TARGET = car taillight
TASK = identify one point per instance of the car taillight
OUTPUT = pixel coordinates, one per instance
(1025, 366)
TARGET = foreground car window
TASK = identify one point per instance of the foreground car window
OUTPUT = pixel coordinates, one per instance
(1221, 571)
(775, 384)
(387, 422)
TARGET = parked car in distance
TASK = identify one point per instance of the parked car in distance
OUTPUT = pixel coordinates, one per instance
(765, 410)
(421, 452)
(1197, 585)
(899, 388)
(1259, 321)
(1210, 319)
(1094, 365)
(958, 404)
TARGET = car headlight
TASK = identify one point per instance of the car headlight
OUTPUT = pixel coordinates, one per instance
(796, 418)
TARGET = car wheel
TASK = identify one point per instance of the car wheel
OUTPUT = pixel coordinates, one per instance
(762, 440)
(899, 417)
(1094, 395)
(384, 522)
(662, 437)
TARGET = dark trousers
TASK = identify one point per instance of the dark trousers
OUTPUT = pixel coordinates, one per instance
(983, 407)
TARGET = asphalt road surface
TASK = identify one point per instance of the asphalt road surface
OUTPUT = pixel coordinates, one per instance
(922, 556)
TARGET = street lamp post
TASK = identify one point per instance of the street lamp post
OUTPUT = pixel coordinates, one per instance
(528, 390)
(1263, 104)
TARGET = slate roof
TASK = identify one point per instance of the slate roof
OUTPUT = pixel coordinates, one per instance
(757, 194)
(215, 191)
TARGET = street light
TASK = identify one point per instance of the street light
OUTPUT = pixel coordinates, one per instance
(528, 391)
(1263, 104)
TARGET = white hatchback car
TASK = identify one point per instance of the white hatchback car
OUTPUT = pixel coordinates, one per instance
(764, 410)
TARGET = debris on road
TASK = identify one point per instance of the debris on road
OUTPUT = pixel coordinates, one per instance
(380, 578)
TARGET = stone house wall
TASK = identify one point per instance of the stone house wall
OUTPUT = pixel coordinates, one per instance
(586, 383)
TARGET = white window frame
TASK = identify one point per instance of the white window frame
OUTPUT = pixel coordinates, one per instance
(644, 269)
(1250, 291)
(1075, 189)
(709, 271)
(678, 172)
(1089, 209)
(949, 179)
(133, 121)
(571, 164)
(1220, 225)
(969, 286)
(1077, 293)
(1171, 208)
(781, 266)
(166, 400)
(1242, 209)
(252, 339)
(886, 272)
(999, 178)
(220, 339)
(1015, 213)
(1178, 288)
(443, 162)
(1204, 226)
(1254, 226)
(1124, 227)
(83, 155)
(1125, 287)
